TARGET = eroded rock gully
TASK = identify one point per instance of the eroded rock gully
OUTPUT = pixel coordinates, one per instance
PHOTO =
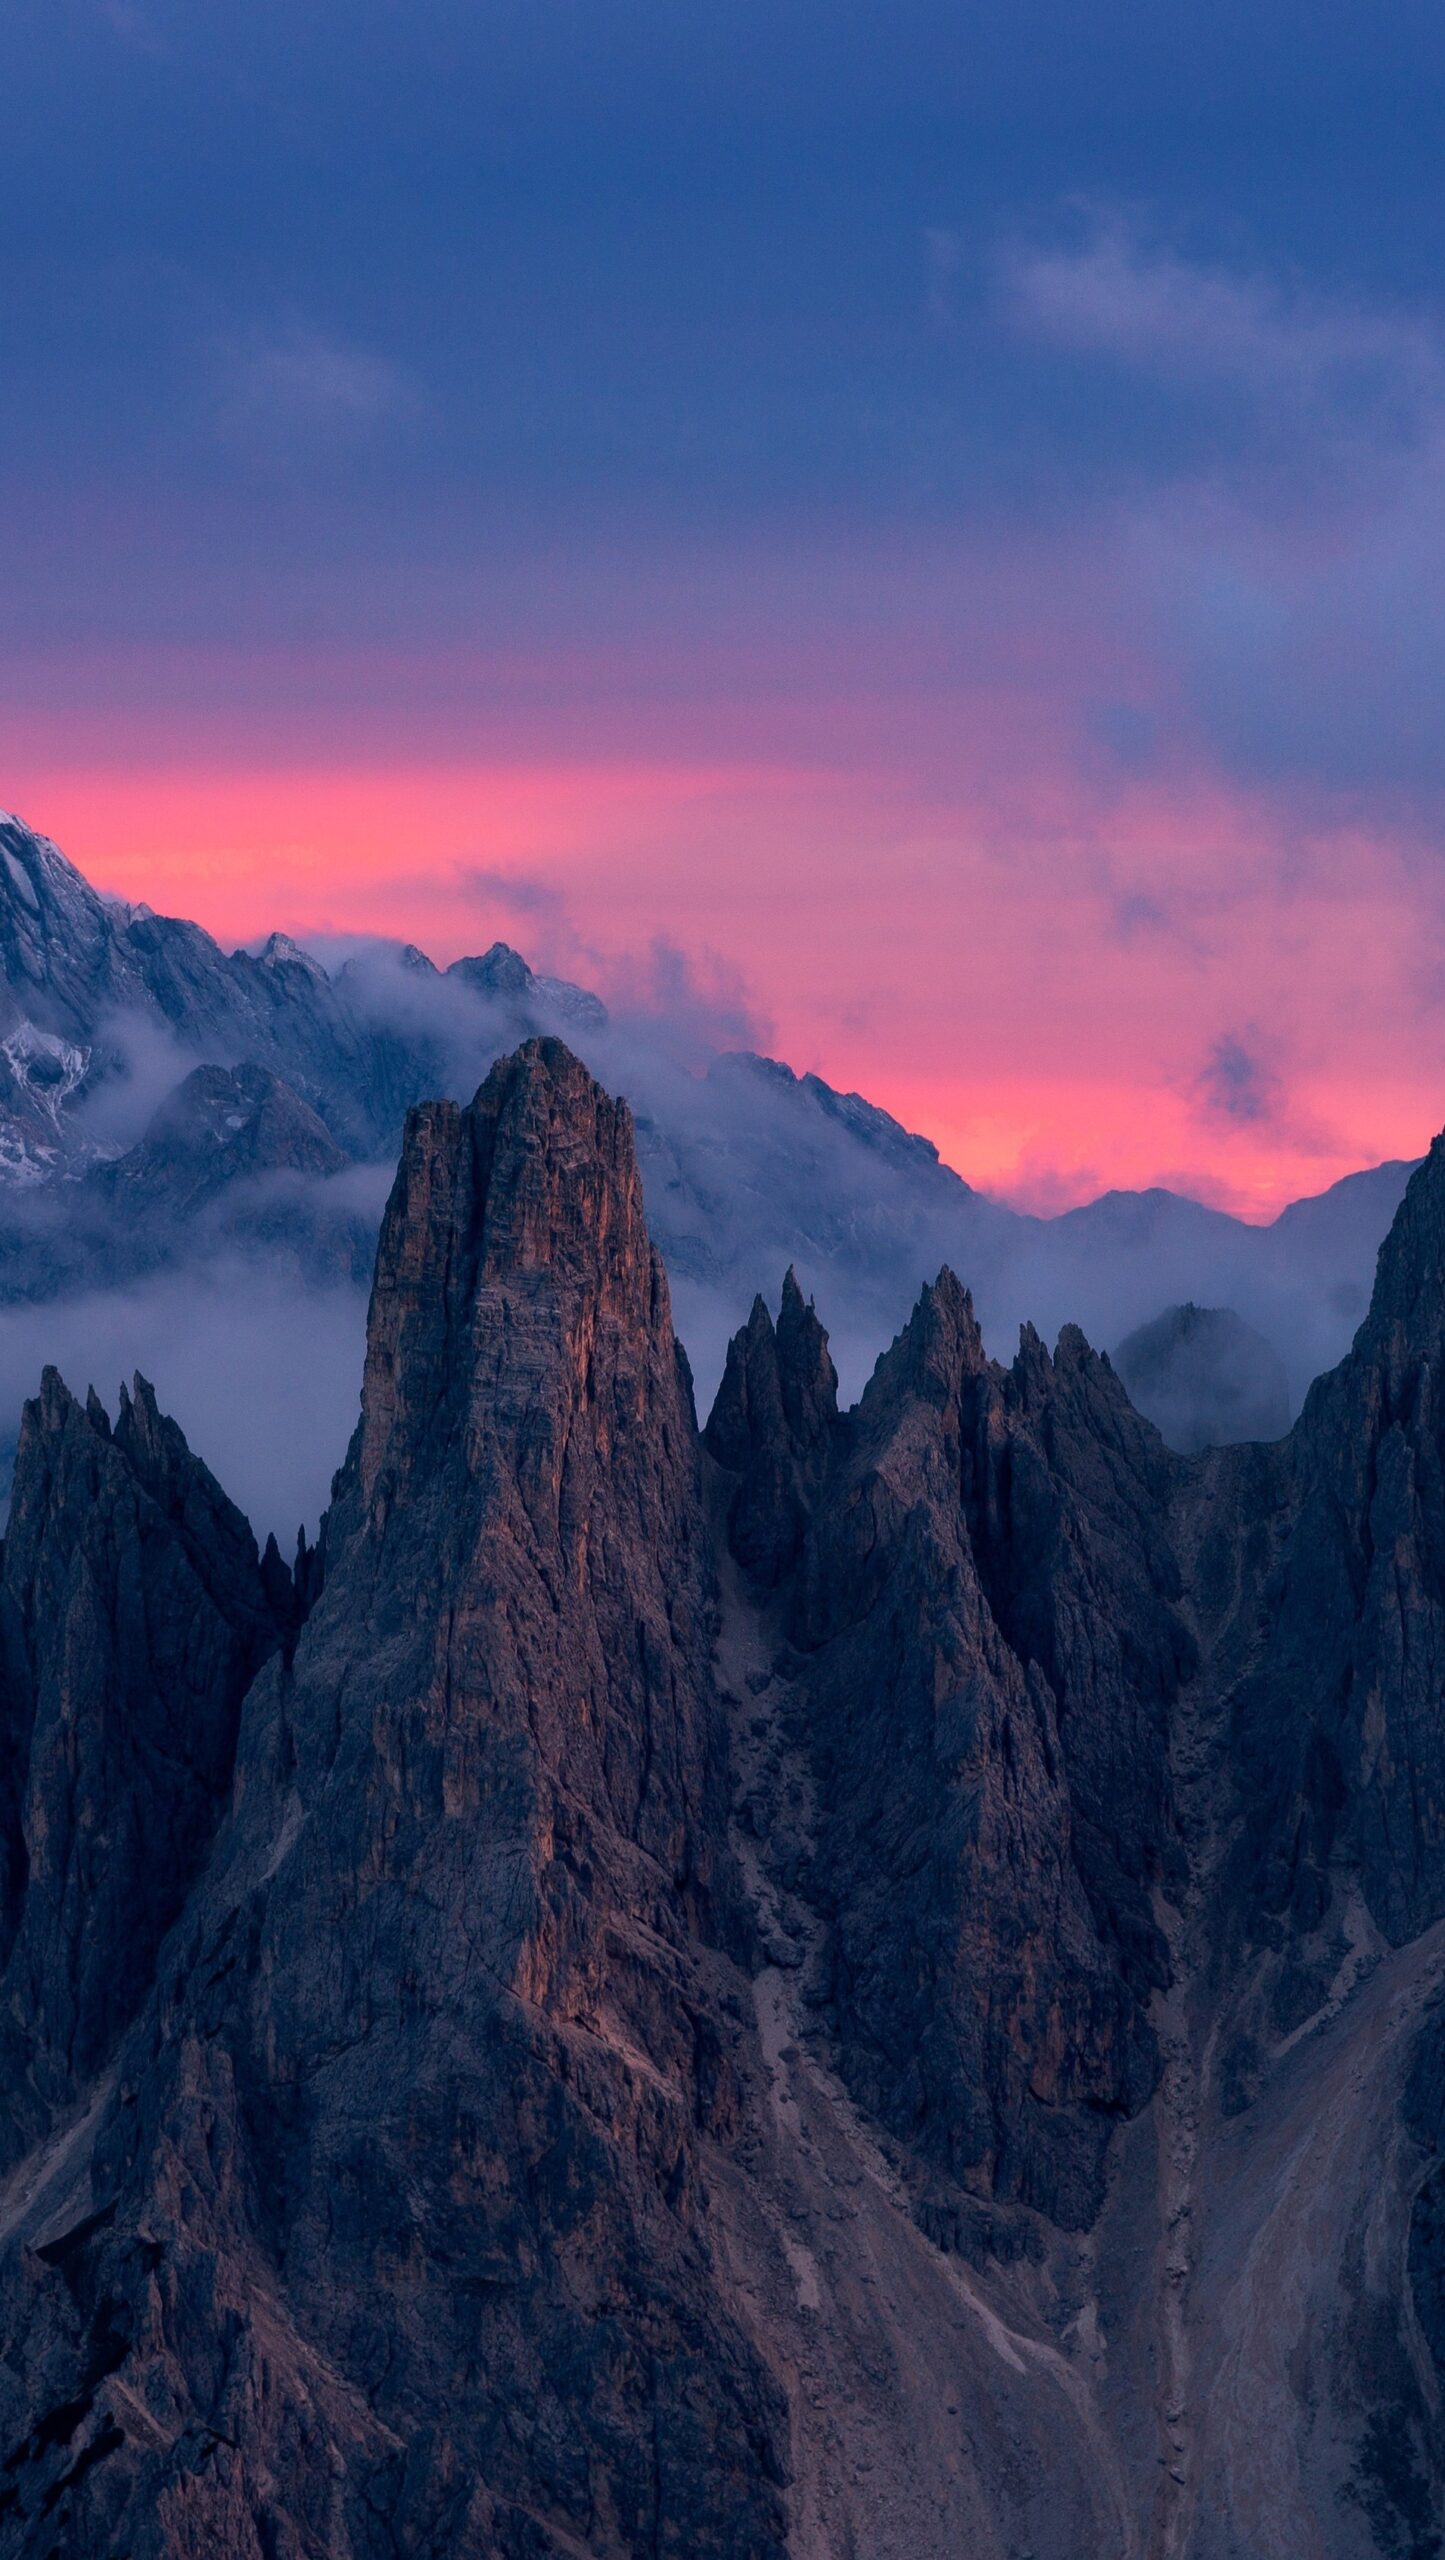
(867, 1984)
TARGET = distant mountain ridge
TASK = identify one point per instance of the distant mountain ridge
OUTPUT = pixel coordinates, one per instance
(168, 1106)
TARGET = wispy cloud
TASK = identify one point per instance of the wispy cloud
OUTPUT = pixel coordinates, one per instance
(1241, 1090)
(698, 997)
(1282, 538)
(518, 893)
(290, 382)
(1347, 366)
(1236, 1084)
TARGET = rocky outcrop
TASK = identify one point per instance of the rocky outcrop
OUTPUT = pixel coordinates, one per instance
(869, 1983)
(504, 978)
(983, 1601)
(773, 1426)
(397, 2231)
(1337, 1717)
(221, 1124)
(134, 1618)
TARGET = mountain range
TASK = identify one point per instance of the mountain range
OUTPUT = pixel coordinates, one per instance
(181, 1125)
(865, 1983)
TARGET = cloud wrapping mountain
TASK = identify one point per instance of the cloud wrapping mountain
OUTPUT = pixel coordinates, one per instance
(189, 1129)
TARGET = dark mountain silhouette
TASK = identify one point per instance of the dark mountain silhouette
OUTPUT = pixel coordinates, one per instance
(1205, 1378)
(864, 1981)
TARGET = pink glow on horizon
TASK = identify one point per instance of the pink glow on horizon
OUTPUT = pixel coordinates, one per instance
(1038, 979)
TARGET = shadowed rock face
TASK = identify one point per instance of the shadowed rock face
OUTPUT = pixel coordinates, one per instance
(134, 1619)
(404, 2225)
(985, 1608)
(870, 1985)
(1127, 1773)
(773, 1425)
(1338, 1719)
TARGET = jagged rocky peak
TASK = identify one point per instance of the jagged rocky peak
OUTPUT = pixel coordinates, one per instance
(497, 971)
(37, 876)
(134, 1618)
(938, 1349)
(806, 1373)
(989, 1753)
(455, 1995)
(504, 977)
(524, 1393)
(278, 951)
(525, 1402)
(772, 1421)
(55, 930)
(514, 1235)
(981, 1601)
(810, 1099)
(777, 1378)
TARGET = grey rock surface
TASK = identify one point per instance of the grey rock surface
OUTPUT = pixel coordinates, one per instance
(134, 1616)
(457, 1994)
(863, 1982)
(773, 1425)
(984, 1615)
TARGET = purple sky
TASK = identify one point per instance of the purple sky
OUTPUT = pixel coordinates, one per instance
(924, 528)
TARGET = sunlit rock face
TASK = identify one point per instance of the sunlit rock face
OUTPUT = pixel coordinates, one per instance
(863, 1981)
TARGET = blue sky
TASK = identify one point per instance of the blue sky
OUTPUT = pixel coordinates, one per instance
(983, 396)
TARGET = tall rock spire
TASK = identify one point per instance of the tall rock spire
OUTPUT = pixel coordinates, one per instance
(451, 2016)
(430, 2154)
(772, 1426)
(527, 1429)
(988, 1755)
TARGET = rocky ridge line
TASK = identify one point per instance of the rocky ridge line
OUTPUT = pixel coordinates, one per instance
(868, 1982)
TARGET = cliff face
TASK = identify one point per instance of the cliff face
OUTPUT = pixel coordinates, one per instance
(773, 1426)
(401, 2221)
(134, 1618)
(862, 1985)
(1123, 1857)
(982, 1603)
(1341, 1718)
